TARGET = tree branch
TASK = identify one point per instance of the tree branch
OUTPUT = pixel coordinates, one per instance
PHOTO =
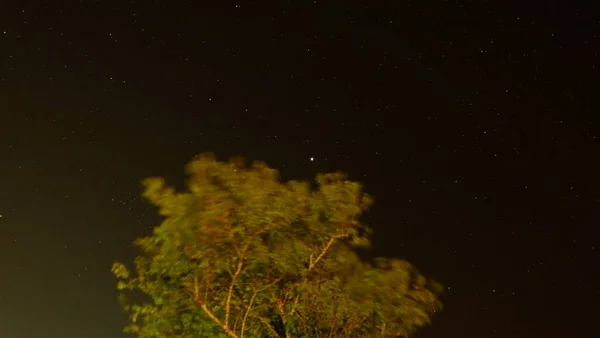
(233, 280)
(246, 315)
(268, 325)
(207, 310)
(324, 251)
(237, 319)
(281, 308)
(312, 263)
(331, 330)
(249, 306)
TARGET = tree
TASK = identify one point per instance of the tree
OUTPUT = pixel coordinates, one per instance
(241, 254)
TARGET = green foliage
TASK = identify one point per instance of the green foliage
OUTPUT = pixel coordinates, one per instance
(243, 254)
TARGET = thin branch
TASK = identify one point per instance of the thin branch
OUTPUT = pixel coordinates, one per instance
(272, 283)
(233, 280)
(249, 306)
(268, 325)
(196, 290)
(246, 315)
(331, 331)
(281, 308)
(325, 249)
(237, 319)
(207, 310)
(333, 324)
(312, 263)
(236, 274)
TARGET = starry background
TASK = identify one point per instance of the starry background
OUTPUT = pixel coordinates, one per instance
(471, 122)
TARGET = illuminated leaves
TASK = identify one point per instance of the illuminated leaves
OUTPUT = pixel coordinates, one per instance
(242, 254)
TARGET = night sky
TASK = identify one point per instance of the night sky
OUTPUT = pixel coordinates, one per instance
(473, 123)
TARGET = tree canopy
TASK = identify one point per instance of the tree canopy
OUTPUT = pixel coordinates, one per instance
(242, 254)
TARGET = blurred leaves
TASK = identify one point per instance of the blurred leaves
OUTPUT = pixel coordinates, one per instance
(242, 254)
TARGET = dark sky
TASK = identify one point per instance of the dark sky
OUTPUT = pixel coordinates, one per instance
(473, 123)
